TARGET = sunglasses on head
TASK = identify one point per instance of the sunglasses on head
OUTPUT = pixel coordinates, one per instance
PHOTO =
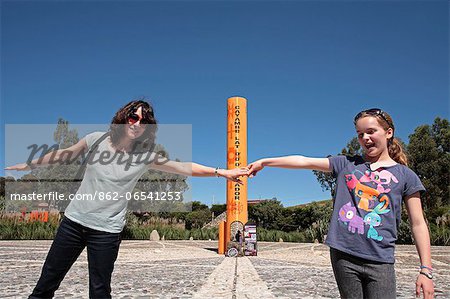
(373, 112)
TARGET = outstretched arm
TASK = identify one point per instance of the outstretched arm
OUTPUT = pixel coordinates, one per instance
(199, 170)
(422, 239)
(295, 162)
(54, 157)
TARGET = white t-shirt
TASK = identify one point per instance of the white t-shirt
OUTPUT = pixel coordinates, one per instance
(102, 181)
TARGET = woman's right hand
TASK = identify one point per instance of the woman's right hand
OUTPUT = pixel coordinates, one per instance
(254, 167)
(19, 167)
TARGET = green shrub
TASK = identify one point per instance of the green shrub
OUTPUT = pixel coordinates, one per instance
(275, 235)
(439, 234)
(13, 226)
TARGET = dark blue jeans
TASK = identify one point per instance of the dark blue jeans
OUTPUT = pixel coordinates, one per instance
(69, 242)
(361, 278)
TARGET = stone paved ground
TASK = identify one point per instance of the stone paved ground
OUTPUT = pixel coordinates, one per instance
(192, 269)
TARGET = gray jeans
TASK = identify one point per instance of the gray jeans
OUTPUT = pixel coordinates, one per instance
(361, 278)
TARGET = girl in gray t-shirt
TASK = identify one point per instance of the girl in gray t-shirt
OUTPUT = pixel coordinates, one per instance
(367, 207)
(96, 224)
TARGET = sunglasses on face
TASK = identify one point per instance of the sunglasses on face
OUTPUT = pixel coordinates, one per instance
(373, 112)
(134, 118)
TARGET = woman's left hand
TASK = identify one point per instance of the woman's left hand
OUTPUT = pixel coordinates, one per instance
(426, 285)
(233, 174)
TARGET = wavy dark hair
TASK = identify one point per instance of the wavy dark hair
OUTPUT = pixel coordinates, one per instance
(147, 140)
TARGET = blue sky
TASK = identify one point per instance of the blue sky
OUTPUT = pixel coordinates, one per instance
(306, 68)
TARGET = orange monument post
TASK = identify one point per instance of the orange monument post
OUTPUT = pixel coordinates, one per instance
(237, 214)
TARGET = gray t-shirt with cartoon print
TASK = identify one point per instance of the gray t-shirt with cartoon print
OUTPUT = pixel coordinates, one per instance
(367, 207)
(109, 182)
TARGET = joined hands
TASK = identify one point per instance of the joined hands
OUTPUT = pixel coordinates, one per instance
(234, 174)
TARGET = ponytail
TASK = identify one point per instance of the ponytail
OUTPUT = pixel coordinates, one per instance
(396, 151)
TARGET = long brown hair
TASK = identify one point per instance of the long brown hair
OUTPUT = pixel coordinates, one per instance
(146, 141)
(395, 149)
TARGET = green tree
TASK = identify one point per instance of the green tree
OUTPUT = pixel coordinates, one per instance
(59, 177)
(218, 209)
(326, 179)
(441, 134)
(196, 206)
(197, 218)
(158, 182)
(63, 136)
(429, 158)
(305, 216)
(7, 187)
(353, 148)
(267, 214)
(2, 186)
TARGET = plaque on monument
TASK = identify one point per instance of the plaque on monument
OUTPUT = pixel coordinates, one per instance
(250, 239)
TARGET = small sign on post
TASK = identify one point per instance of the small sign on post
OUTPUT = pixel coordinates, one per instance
(250, 240)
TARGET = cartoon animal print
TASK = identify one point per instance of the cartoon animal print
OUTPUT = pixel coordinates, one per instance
(351, 181)
(373, 219)
(381, 178)
(347, 214)
(368, 196)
